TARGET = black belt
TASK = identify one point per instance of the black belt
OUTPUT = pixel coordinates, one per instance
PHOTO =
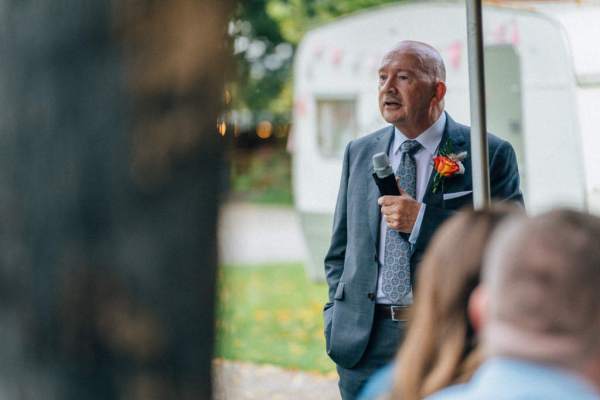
(395, 313)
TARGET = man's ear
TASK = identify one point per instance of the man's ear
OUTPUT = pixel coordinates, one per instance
(439, 91)
(478, 308)
(436, 104)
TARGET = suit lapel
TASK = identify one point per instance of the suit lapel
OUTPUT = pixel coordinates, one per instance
(381, 143)
(452, 133)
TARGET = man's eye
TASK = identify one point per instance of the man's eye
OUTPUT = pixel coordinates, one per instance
(382, 78)
(402, 77)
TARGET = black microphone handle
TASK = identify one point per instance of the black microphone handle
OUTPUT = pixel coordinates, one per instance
(387, 185)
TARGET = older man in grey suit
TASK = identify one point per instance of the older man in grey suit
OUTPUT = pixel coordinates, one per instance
(378, 241)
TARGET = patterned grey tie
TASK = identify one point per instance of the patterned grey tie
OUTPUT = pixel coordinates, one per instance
(396, 265)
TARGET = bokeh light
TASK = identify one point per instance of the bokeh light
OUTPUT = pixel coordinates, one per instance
(264, 129)
(222, 128)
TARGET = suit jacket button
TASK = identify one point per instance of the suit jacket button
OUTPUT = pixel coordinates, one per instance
(371, 296)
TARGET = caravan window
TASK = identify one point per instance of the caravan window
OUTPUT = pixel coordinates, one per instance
(336, 125)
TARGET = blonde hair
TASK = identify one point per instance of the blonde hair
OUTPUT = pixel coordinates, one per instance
(440, 347)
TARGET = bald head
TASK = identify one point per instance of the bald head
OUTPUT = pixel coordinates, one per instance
(543, 280)
(429, 60)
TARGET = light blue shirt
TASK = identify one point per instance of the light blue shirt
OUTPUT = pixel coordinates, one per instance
(510, 379)
(430, 140)
(379, 384)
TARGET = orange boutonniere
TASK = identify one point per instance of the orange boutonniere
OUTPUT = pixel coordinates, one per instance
(447, 164)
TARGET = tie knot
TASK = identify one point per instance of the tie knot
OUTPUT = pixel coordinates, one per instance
(410, 147)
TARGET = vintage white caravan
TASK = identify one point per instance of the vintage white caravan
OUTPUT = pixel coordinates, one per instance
(542, 71)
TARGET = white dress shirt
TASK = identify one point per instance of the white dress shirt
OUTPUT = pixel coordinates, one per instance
(430, 140)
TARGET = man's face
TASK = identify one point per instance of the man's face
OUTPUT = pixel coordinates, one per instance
(405, 91)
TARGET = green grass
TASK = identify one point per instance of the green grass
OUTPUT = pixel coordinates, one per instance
(272, 314)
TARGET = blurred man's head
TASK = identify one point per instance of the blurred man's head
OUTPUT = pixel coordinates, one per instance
(542, 279)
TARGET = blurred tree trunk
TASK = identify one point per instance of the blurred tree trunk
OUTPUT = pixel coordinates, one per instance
(110, 179)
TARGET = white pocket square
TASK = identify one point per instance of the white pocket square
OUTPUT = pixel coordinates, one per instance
(450, 196)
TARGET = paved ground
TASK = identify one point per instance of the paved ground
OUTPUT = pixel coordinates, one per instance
(251, 234)
(243, 381)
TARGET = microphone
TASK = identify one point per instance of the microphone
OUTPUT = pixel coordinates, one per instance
(384, 175)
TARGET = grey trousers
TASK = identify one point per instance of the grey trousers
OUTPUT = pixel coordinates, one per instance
(384, 341)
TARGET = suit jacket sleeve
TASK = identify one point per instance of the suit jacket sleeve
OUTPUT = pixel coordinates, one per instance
(504, 175)
(334, 260)
(504, 185)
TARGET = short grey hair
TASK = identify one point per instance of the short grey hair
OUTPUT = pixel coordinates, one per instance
(431, 62)
(543, 279)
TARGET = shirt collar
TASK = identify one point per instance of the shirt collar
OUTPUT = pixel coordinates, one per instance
(430, 138)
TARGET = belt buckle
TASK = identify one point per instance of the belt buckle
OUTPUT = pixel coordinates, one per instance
(398, 309)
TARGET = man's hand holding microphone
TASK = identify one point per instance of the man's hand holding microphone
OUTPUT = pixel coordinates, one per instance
(399, 209)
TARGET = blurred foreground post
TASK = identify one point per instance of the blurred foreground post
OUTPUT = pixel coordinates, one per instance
(479, 142)
(110, 176)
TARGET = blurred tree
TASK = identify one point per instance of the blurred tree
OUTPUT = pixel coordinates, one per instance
(266, 33)
(110, 181)
(295, 17)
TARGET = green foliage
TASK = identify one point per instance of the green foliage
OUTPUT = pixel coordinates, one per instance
(262, 176)
(262, 66)
(271, 314)
(295, 17)
(265, 34)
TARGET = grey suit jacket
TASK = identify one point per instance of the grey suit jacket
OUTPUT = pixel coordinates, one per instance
(351, 264)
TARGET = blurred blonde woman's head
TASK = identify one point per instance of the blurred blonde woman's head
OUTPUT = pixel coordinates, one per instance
(440, 348)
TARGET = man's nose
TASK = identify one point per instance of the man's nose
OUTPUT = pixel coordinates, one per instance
(388, 86)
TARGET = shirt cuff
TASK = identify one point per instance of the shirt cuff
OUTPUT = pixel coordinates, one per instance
(414, 235)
